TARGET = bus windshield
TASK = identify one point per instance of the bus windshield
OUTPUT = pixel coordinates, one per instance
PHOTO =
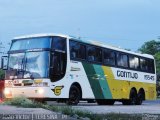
(30, 57)
(35, 64)
(15, 61)
(30, 43)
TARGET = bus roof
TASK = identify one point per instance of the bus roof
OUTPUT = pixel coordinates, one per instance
(92, 42)
(40, 35)
(119, 49)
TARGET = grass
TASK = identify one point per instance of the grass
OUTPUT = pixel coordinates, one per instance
(68, 110)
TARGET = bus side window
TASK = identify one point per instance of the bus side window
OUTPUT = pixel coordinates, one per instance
(82, 51)
(91, 52)
(59, 43)
(109, 57)
(77, 50)
(151, 66)
(94, 54)
(133, 62)
(98, 55)
(73, 49)
(147, 65)
(122, 60)
(143, 65)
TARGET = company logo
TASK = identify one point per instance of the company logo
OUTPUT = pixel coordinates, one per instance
(57, 90)
(125, 74)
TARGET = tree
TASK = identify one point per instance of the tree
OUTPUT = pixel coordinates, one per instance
(151, 47)
(157, 59)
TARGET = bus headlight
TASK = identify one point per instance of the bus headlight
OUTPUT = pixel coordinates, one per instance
(40, 91)
(7, 93)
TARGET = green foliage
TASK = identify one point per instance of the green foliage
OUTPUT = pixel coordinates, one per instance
(68, 110)
(1, 74)
(157, 58)
(150, 47)
(20, 101)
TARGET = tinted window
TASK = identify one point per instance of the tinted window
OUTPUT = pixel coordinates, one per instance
(147, 65)
(122, 60)
(77, 50)
(151, 66)
(30, 43)
(82, 51)
(94, 54)
(143, 65)
(59, 43)
(133, 62)
(109, 57)
(58, 66)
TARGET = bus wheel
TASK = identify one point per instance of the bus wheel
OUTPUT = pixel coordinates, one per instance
(74, 95)
(91, 101)
(133, 97)
(100, 102)
(140, 98)
(132, 100)
(105, 102)
(109, 102)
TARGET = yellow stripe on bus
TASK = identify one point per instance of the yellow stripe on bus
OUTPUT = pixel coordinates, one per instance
(120, 89)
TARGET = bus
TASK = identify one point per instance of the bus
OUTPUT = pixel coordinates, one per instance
(64, 68)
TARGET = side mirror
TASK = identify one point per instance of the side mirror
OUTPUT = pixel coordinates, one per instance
(4, 62)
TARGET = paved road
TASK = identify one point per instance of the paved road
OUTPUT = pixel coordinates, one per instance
(13, 113)
(150, 107)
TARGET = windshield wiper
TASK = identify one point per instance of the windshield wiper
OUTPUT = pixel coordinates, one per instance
(31, 76)
(28, 74)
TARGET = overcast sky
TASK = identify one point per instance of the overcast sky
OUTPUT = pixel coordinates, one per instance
(124, 23)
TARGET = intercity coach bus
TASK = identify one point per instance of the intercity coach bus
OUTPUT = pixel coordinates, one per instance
(61, 67)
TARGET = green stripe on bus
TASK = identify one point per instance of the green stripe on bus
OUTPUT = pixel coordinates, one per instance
(95, 85)
(103, 82)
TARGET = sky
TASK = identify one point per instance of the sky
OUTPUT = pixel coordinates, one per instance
(122, 23)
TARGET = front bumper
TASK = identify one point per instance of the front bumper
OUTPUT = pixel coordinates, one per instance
(29, 92)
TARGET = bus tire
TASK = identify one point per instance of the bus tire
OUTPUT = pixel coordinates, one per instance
(125, 102)
(100, 102)
(105, 102)
(91, 101)
(109, 102)
(74, 95)
(132, 98)
(140, 98)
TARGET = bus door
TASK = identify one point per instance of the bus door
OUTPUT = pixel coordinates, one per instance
(58, 60)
